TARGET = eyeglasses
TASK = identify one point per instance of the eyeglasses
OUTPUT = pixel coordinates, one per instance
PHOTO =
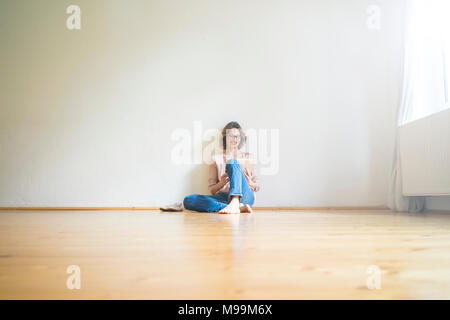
(238, 137)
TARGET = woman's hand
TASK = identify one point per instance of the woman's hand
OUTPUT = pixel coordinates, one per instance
(224, 179)
(252, 180)
(254, 186)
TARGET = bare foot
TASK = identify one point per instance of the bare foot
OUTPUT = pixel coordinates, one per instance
(246, 208)
(232, 207)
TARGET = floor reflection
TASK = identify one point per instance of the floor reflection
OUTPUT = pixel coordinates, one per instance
(228, 238)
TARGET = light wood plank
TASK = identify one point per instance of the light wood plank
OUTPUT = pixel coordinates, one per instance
(316, 254)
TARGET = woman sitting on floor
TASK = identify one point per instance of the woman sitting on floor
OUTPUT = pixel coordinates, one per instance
(232, 181)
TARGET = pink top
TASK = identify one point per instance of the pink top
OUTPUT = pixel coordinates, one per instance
(217, 169)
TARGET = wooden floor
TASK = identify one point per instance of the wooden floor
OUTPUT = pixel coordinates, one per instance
(265, 255)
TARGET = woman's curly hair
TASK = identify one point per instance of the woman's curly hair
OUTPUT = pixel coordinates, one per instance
(233, 125)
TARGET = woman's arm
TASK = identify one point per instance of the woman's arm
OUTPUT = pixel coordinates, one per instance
(253, 184)
(215, 184)
(219, 185)
(250, 173)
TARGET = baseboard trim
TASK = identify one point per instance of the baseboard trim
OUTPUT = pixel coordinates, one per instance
(157, 208)
(325, 208)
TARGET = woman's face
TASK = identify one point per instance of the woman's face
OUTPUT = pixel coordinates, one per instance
(233, 138)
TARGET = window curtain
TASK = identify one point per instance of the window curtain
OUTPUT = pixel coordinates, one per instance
(424, 87)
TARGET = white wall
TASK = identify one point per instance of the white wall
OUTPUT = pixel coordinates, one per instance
(86, 116)
(438, 203)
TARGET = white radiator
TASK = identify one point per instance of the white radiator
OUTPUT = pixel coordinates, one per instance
(425, 155)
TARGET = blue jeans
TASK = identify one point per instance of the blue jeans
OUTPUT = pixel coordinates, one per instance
(214, 203)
